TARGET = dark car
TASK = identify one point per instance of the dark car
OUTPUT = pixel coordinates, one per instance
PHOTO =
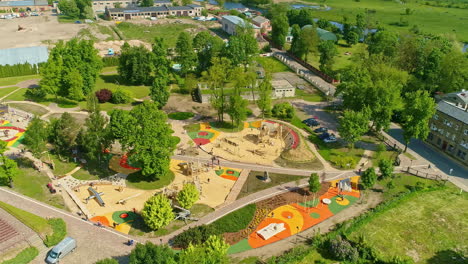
(321, 130)
(311, 122)
(324, 135)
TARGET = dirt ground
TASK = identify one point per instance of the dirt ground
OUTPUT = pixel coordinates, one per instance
(116, 45)
(38, 31)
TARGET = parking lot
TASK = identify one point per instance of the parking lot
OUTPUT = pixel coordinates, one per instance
(315, 109)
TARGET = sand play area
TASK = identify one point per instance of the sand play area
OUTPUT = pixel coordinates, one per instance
(214, 184)
(260, 142)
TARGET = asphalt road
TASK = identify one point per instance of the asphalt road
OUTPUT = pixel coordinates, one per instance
(439, 159)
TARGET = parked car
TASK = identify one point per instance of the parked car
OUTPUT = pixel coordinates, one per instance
(311, 122)
(330, 140)
(77, 22)
(51, 188)
(65, 246)
(321, 130)
(324, 135)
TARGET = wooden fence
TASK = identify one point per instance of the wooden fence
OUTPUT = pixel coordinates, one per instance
(426, 175)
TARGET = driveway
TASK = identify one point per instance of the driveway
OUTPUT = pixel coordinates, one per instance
(441, 161)
(316, 109)
(93, 243)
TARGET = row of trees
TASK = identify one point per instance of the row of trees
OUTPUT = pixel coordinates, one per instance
(18, 70)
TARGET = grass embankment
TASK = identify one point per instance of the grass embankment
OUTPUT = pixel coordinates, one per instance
(255, 183)
(429, 19)
(32, 183)
(24, 257)
(135, 180)
(170, 32)
(52, 231)
(181, 115)
(5, 91)
(33, 109)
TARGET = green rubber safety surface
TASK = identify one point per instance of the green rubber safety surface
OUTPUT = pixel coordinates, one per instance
(123, 216)
(241, 246)
(315, 215)
(336, 208)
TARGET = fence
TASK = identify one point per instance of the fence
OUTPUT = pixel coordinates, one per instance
(426, 175)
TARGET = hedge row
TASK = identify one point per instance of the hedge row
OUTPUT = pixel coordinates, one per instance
(18, 70)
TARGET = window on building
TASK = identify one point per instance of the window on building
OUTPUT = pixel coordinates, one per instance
(457, 127)
(436, 117)
(465, 132)
(430, 136)
(450, 148)
(461, 154)
(439, 141)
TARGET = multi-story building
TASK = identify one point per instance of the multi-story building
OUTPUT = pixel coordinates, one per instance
(153, 11)
(262, 22)
(27, 5)
(101, 5)
(449, 126)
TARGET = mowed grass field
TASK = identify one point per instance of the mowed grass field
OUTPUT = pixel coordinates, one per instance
(429, 228)
(436, 20)
(169, 32)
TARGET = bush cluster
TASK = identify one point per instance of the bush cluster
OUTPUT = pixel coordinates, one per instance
(121, 96)
(103, 95)
(283, 111)
(194, 236)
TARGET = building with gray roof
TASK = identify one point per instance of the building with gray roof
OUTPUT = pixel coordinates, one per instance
(26, 5)
(153, 11)
(230, 24)
(449, 126)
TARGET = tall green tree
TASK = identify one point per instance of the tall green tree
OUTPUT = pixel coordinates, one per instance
(212, 251)
(146, 3)
(368, 178)
(208, 47)
(216, 77)
(353, 125)
(185, 53)
(95, 138)
(136, 65)
(314, 184)
(150, 253)
(383, 41)
(386, 168)
(74, 82)
(69, 8)
(242, 46)
(146, 137)
(328, 51)
(160, 60)
(157, 212)
(264, 96)
(280, 27)
(63, 133)
(308, 42)
(188, 196)
(35, 139)
(295, 48)
(159, 91)
(8, 170)
(418, 109)
(237, 110)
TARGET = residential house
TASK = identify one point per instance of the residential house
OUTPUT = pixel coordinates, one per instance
(153, 11)
(262, 22)
(27, 5)
(101, 5)
(449, 126)
(230, 24)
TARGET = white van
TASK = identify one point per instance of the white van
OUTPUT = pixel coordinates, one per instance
(65, 246)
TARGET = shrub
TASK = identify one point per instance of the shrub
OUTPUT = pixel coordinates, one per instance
(343, 250)
(236, 220)
(35, 93)
(386, 168)
(59, 232)
(103, 95)
(121, 96)
(284, 111)
(195, 236)
(157, 212)
(107, 261)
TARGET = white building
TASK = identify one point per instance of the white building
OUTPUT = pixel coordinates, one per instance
(282, 88)
(230, 23)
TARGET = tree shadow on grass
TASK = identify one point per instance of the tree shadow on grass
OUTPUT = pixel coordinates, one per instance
(448, 256)
(111, 78)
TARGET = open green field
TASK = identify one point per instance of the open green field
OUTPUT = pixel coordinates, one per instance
(341, 60)
(429, 228)
(5, 91)
(435, 20)
(169, 32)
(272, 64)
(14, 80)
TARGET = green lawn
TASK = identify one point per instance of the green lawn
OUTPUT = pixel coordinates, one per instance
(5, 91)
(227, 126)
(180, 115)
(90, 172)
(338, 155)
(235, 221)
(169, 32)
(33, 184)
(36, 110)
(36, 223)
(14, 80)
(403, 183)
(310, 97)
(17, 96)
(341, 60)
(67, 19)
(134, 180)
(380, 155)
(435, 20)
(113, 81)
(429, 227)
(24, 257)
(254, 182)
(273, 64)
